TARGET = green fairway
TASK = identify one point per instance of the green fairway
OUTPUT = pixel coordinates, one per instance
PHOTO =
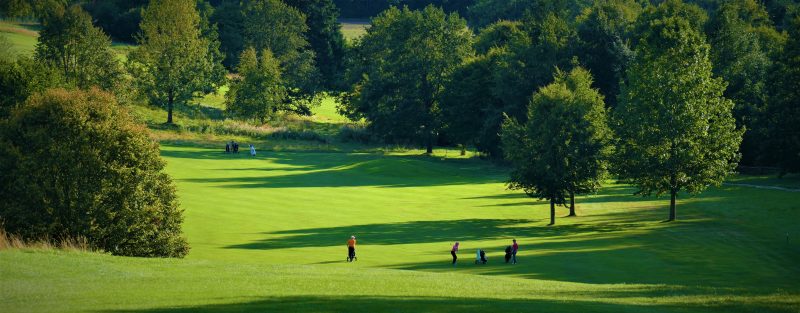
(268, 233)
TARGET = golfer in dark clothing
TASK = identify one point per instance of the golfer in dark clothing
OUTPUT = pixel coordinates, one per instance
(351, 249)
(453, 252)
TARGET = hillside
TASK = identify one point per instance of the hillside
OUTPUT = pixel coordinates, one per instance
(268, 233)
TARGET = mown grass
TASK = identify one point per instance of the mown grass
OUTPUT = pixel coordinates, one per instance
(268, 233)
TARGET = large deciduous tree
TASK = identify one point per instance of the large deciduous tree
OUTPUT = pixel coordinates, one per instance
(258, 92)
(75, 164)
(563, 147)
(82, 52)
(174, 61)
(676, 130)
(402, 63)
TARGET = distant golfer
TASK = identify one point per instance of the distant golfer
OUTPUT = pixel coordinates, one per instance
(514, 249)
(453, 252)
(252, 150)
(351, 249)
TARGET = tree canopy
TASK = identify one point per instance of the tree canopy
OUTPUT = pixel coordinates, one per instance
(563, 147)
(401, 66)
(85, 169)
(82, 52)
(258, 92)
(676, 130)
(173, 61)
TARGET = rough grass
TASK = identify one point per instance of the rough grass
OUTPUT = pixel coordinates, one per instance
(10, 241)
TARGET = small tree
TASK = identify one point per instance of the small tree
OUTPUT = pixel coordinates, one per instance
(173, 61)
(74, 163)
(562, 148)
(69, 42)
(676, 131)
(258, 92)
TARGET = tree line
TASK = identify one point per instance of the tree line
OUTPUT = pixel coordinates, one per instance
(668, 96)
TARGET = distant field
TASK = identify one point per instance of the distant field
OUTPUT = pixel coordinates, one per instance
(23, 37)
(354, 28)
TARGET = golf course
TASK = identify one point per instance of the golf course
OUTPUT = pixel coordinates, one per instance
(409, 130)
(269, 233)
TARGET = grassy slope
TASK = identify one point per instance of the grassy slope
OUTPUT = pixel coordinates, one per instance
(269, 232)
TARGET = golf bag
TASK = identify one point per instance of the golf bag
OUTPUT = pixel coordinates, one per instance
(351, 254)
(480, 257)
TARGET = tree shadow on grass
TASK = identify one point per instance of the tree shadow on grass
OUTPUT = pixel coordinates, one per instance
(345, 170)
(426, 232)
(358, 303)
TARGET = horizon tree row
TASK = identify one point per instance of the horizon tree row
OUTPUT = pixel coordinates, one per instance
(663, 71)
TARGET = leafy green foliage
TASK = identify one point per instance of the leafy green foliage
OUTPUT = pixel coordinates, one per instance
(273, 25)
(21, 78)
(76, 165)
(229, 19)
(676, 130)
(118, 18)
(741, 35)
(498, 35)
(486, 12)
(562, 148)
(325, 38)
(258, 93)
(782, 143)
(604, 45)
(401, 67)
(470, 113)
(82, 52)
(174, 61)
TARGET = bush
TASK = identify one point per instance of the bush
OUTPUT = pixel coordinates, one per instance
(354, 133)
(75, 165)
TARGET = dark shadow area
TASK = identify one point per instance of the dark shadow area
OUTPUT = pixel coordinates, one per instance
(427, 232)
(359, 303)
(346, 170)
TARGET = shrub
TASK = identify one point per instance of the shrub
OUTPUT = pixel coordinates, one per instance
(354, 133)
(75, 165)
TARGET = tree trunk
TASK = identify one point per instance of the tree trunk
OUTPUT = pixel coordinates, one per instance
(429, 144)
(169, 109)
(672, 216)
(552, 212)
(572, 203)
